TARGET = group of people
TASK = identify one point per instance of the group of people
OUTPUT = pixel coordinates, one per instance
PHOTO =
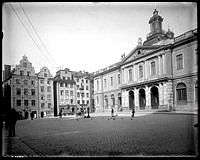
(10, 121)
(114, 110)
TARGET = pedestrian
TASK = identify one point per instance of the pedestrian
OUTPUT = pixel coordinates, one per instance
(60, 114)
(32, 115)
(13, 116)
(112, 112)
(88, 111)
(133, 111)
(116, 109)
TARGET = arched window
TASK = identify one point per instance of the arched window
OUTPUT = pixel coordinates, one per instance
(181, 93)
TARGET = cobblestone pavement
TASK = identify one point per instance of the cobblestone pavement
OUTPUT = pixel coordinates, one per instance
(147, 135)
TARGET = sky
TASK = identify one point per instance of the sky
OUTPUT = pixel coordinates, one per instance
(84, 36)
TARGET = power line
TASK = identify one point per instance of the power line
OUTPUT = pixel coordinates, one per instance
(37, 33)
(28, 32)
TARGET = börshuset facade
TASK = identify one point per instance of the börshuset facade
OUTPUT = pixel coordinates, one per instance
(159, 74)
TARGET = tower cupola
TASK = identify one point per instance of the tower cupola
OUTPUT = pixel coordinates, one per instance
(155, 23)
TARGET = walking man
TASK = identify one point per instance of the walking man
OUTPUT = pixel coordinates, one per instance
(133, 111)
(112, 112)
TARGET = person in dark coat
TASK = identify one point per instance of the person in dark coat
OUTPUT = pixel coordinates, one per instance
(13, 116)
(112, 112)
(32, 115)
(133, 111)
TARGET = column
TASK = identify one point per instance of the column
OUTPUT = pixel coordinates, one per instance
(148, 97)
(122, 76)
(136, 97)
(163, 58)
(145, 72)
(133, 77)
(161, 94)
(159, 67)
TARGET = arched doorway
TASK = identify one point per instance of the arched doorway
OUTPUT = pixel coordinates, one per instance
(154, 98)
(142, 99)
(131, 99)
(113, 100)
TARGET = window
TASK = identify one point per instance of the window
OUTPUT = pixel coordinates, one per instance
(77, 79)
(140, 71)
(32, 82)
(42, 88)
(87, 95)
(21, 73)
(118, 78)
(78, 101)
(42, 105)
(83, 102)
(105, 83)
(28, 73)
(82, 94)
(17, 81)
(42, 97)
(32, 92)
(67, 93)
(32, 102)
(25, 81)
(18, 102)
(82, 81)
(78, 94)
(87, 87)
(18, 91)
(25, 102)
(71, 93)
(86, 81)
(153, 68)
(179, 61)
(61, 92)
(71, 100)
(130, 74)
(49, 105)
(97, 85)
(25, 91)
(48, 89)
(42, 81)
(61, 84)
(48, 82)
(181, 93)
(111, 81)
(71, 85)
(87, 101)
(45, 74)
(48, 96)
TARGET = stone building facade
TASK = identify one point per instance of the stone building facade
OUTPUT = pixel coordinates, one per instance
(149, 74)
(45, 89)
(23, 86)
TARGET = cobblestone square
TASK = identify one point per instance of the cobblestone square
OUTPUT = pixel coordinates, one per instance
(147, 135)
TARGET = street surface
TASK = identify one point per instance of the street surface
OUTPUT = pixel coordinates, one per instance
(145, 135)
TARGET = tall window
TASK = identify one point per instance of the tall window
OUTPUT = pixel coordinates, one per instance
(87, 95)
(61, 84)
(61, 92)
(179, 61)
(97, 85)
(32, 102)
(181, 93)
(25, 102)
(28, 73)
(82, 95)
(105, 83)
(140, 71)
(25, 91)
(118, 78)
(21, 73)
(32, 82)
(111, 81)
(78, 94)
(49, 105)
(32, 92)
(18, 91)
(17, 81)
(42, 88)
(130, 74)
(18, 102)
(66, 93)
(153, 68)
(87, 87)
(48, 89)
(71, 93)
(26, 81)
(45, 74)
(42, 81)
(42, 105)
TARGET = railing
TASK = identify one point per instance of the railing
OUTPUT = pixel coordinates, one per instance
(185, 35)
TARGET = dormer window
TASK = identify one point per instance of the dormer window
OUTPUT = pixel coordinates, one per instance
(139, 52)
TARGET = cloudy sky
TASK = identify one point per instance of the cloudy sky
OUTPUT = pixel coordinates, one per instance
(83, 36)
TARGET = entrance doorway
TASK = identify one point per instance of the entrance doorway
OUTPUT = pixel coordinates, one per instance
(142, 99)
(131, 100)
(154, 98)
(42, 114)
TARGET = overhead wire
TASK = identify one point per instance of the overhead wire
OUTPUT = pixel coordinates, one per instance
(29, 33)
(37, 33)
